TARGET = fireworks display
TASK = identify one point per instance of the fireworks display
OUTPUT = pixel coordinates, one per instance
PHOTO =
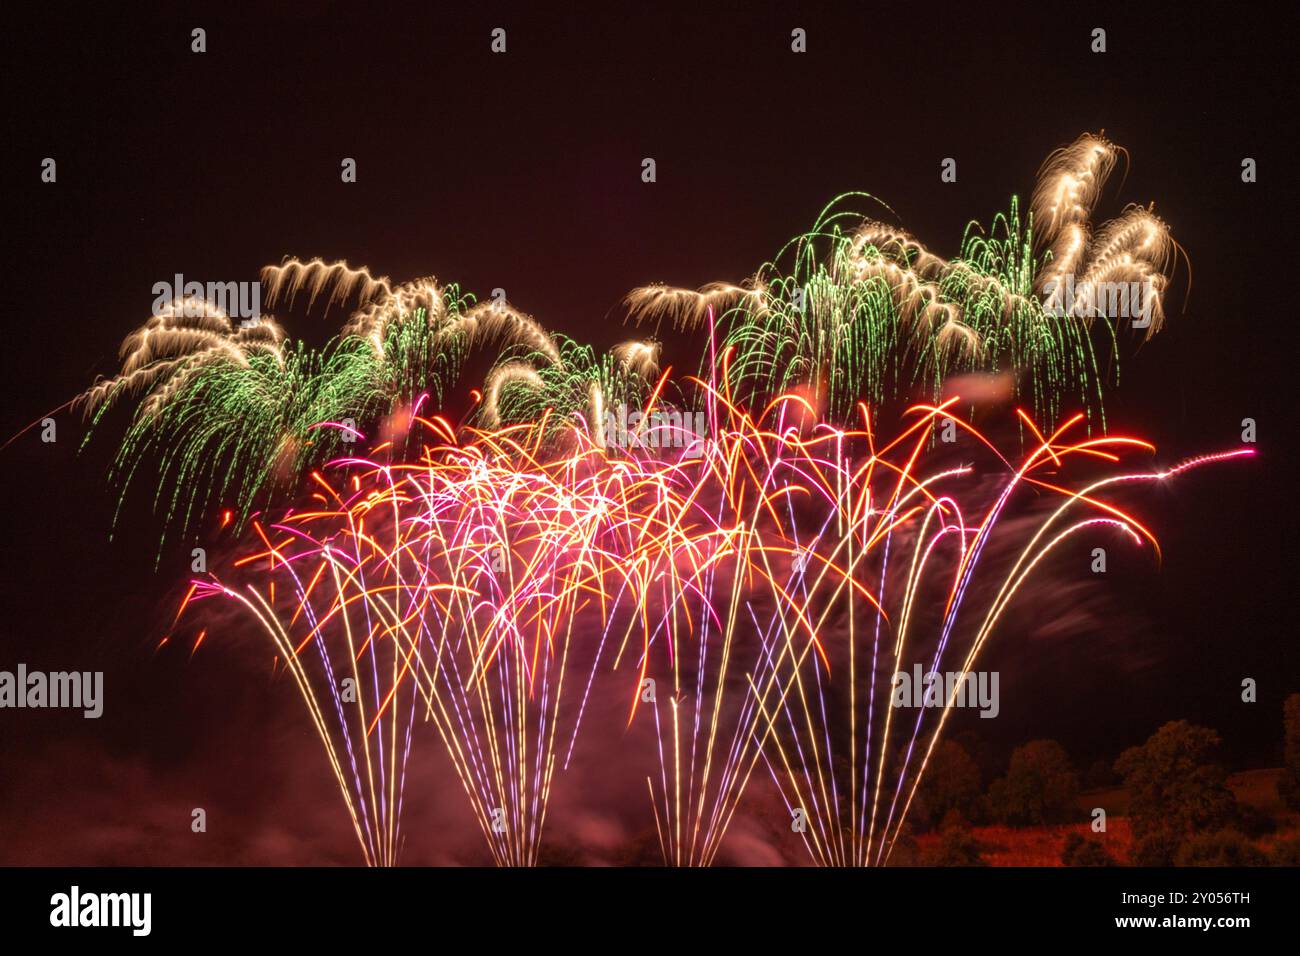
(748, 586)
(480, 463)
(860, 310)
(865, 313)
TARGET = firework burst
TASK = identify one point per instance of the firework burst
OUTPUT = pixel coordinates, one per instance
(860, 310)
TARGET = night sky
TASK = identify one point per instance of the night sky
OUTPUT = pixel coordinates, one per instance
(522, 171)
